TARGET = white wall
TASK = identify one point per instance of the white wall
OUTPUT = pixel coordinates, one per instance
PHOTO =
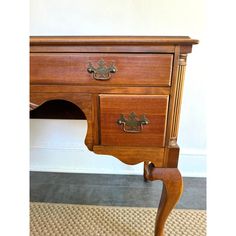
(55, 145)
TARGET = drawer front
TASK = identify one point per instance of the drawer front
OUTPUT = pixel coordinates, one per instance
(133, 120)
(104, 68)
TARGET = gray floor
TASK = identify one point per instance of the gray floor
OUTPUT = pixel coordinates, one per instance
(110, 190)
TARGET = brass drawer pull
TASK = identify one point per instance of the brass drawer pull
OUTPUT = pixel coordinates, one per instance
(101, 72)
(133, 124)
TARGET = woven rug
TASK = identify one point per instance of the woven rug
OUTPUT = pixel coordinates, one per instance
(81, 220)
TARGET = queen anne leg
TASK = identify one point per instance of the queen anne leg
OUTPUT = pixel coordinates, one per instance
(171, 192)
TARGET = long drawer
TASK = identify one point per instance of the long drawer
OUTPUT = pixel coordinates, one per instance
(101, 69)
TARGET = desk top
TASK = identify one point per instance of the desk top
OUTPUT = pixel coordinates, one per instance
(112, 40)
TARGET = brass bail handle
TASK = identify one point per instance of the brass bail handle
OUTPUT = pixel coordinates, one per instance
(102, 72)
(132, 124)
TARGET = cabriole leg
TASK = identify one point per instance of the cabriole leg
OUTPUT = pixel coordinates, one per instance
(171, 192)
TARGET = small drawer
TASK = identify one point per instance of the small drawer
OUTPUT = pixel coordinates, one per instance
(133, 120)
(101, 68)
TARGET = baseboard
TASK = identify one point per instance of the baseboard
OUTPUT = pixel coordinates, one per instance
(85, 170)
(80, 160)
(193, 164)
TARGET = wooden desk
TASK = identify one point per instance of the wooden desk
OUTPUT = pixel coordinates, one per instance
(129, 89)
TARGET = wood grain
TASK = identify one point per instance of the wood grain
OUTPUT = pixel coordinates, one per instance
(154, 107)
(178, 95)
(178, 91)
(100, 89)
(172, 95)
(105, 48)
(131, 155)
(171, 156)
(171, 192)
(111, 40)
(71, 68)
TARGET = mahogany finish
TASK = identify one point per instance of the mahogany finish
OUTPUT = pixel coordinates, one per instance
(133, 112)
(154, 107)
(71, 68)
(171, 192)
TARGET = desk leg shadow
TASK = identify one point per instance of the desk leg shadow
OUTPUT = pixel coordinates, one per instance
(171, 192)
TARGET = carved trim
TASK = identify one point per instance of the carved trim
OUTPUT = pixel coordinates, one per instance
(173, 142)
(137, 155)
(178, 99)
